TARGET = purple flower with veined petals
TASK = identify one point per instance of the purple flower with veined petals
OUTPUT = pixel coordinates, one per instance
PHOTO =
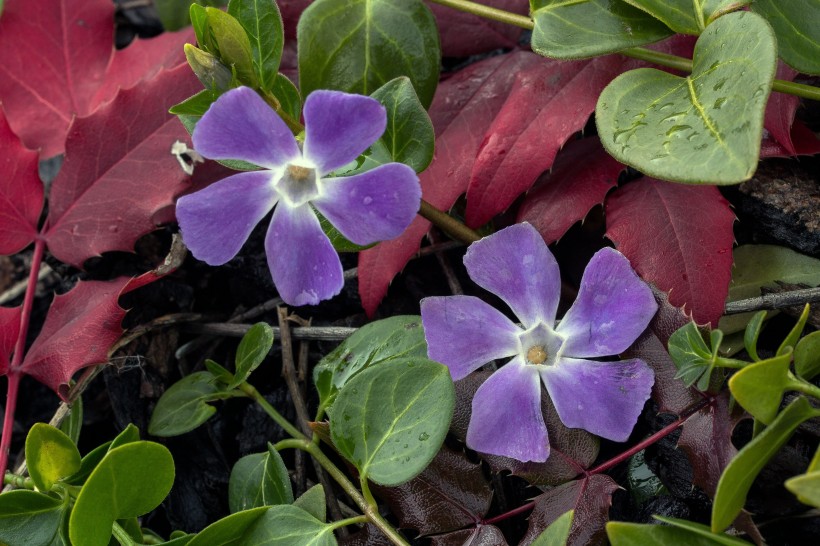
(372, 206)
(612, 309)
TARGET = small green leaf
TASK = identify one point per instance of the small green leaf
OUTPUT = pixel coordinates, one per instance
(280, 524)
(374, 40)
(88, 464)
(753, 333)
(788, 344)
(759, 387)
(340, 242)
(233, 44)
(196, 105)
(409, 136)
(73, 422)
(681, 533)
(128, 435)
(688, 16)
(741, 472)
(130, 481)
(798, 34)
(288, 96)
(390, 420)
(229, 530)
(223, 376)
(702, 129)
(252, 350)
(208, 69)
(588, 28)
(807, 356)
(50, 455)
(557, 534)
(184, 406)
(199, 20)
(263, 26)
(313, 502)
(806, 487)
(28, 518)
(259, 479)
(375, 343)
(691, 355)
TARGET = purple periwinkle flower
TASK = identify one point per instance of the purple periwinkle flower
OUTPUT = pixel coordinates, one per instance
(372, 206)
(613, 307)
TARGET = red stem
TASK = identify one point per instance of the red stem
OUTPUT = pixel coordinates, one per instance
(19, 348)
(511, 513)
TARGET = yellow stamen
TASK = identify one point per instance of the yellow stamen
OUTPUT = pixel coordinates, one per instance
(537, 355)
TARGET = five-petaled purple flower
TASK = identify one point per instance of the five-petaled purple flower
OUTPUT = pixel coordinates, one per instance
(372, 206)
(613, 307)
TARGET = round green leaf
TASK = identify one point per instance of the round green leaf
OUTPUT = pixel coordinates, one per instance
(50, 455)
(183, 407)
(28, 518)
(759, 387)
(704, 128)
(259, 479)
(280, 524)
(130, 481)
(252, 350)
(373, 41)
(390, 420)
(796, 25)
(409, 136)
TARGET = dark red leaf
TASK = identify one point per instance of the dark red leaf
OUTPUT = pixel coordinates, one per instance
(677, 237)
(21, 192)
(483, 535)
(462, 110)
(590, 498)
(60, 62)
(804, 141)
(548, 103)
(582, 176)
(780, 110)
(9, 330)
(119, 170)
(463, 34)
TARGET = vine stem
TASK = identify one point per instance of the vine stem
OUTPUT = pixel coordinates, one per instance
(122, 535)
(20, 482)
(669, 61)
(447, 223)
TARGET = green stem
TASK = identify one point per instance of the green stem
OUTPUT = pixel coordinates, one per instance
(20, 482)
(805, 387)
(349, 521)
(122, 535)
(254, 395)
(456, 229)
(368, 496)
(730, 363)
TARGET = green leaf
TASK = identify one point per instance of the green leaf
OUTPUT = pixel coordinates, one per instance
(184, 406)
(806, 487)
(263, 26)
(199, 20)
(252, 350)
(229, 530)
(88, 464)
(313, 502)
(373, 41)
(196, 105)
(798, 32)
(702, 129)
(28, 518)
(280, 524)
(128, 435)
(753, 333)
(130, 481)
(409, 136)
(208, 69)
(741, 472)
(759, 387)
(233, 45)
(557, 534)
(682, 532)
(588, 28)
(288, 96)
(688, 16)
(390, 420)
(340, 242)
(807, 356)
(73, 422)
(787, 346)
(223, 376)
(375, 343)
(50, 455)
(259, 479)
(692, 356)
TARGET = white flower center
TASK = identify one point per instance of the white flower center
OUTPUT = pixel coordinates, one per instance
(540, 345)
(298, 185)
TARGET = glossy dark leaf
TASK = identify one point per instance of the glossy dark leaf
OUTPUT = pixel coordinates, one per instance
(482, 535)
(252, 351)
(259, 479)
(29, 518)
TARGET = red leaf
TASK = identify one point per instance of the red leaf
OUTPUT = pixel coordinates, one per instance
(482, 535)
(59, 62)
(548, 103)
(21, 192)
(804, 142)
(582, 176)
(677, 237)
(463, 34)
(9, 330)
(462, 110)
(119, 170)
(780, 110)
(590, 498)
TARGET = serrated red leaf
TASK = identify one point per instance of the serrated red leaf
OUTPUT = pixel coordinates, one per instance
(548, 103)
(677, 237)
(780, 110)
(590, 498)
(803, 140)
(59, 62)
(9, 330)
(21, 192)
(119, 170)
(464, 34)
(462, 110)
(580, 179)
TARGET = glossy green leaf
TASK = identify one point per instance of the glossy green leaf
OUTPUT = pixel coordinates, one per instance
(313, 502)
(88, 464)
(263, 26)
(759, 387)
(557, 533)
(752, 333)
(28, 518)
(288, 96)
(280, 524)
(50, 455)
(199, 20)
(222, 375)
(644, 484)
(233, 44)
(701, 129)
(73, 423)
(375, 343)
(390, 420)
(130, 481)
(588, 28)
(692, 356)
(229, 530)
(741, 472)
(807, 356)
(679, 532)
(252, 350)
(688, 16)
(798, 33)
(259, 479)
(788, 344)
(196, 105)
(184, 406)
(340, 242)
(409, 136)
(128, 435)
(806, 487)
(359, 45)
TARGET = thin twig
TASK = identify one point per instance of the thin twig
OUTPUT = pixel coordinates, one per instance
(17, 289)
(314, 333)
(776, 300)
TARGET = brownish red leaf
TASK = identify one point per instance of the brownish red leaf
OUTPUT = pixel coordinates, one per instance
(59, 62)
(780, 110)
(464, 34)
(677, 237)
(9, 330)
(803, 140)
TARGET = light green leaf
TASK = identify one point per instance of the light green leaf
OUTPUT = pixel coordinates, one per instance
(263, 25)
(692, 356)
(390, 420)
(359, 45)
(578, 29)
(795, 23)
(208, 69)
(409, 136)
(759, 387)
(741, 472)
(259, 479)
(184, 406)
(806, 487)
(50, 455)
(787, 345)
(313, 502)
(681, 532)
(28, 518)
(752, 333)
(88, 464)
(702, 129)
(233, 45)
(229, 530)
(557, 533)
(281, 524)
(130, 481)
(196, 105)
(807, 356)
(252, 350)
(688, 16)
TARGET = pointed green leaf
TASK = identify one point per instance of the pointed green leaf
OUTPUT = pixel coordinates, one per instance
(233, 45)
(259, 479)
(199, 20)
(807, 356)
(691, 355)
(752, 333)
(196, 105)
(681, 532)
(28, 518)
(262, 22)
(288, 96)
(704, 128)
(798, 32)
(409, 136)
(557, 533)
(313, 502)
(789, 343)
(252, 350)
(759, 387)
(280, 524)
(50, 455)
(806, 487)
(184, 406)
(128, 435)
(688, 16)
(222, 376)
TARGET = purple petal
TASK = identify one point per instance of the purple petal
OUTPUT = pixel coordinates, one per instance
(612, 309)
(240, 125)
(303, 263)
(604, 398)
(376, 205)
(507, 418)
(516, 265)
(216, 221)
(464, 333)
(339, 127)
